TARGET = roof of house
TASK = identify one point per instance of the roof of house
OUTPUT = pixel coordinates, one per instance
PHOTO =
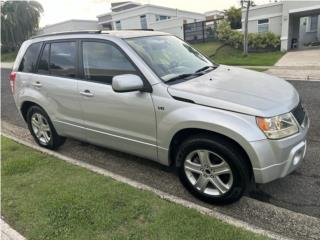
(145, 6)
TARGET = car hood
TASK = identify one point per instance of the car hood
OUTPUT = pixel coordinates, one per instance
(239, 90)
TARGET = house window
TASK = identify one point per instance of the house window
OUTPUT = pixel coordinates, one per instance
(143, 22)
(312, 23)
(263, 25)
(162, 17)
(118, 25)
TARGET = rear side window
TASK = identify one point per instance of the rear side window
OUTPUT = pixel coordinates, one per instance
(102, 61)
(63, 59)
(44, 60)
(29, 60)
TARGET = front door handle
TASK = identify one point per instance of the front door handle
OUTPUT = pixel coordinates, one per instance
(86, 93)
(37, 84)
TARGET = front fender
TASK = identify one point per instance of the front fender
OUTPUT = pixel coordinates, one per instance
(239, 127)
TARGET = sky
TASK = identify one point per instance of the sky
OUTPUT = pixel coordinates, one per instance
(61, 10)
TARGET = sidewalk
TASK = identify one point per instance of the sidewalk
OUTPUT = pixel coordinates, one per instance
(296, 73)
(298, 65)
(291, 72)
(8, 233)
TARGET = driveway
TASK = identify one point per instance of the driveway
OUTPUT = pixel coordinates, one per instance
(301, 59)
(299, 192)
(298, 65)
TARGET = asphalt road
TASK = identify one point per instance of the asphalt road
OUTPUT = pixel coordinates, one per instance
(299, 192)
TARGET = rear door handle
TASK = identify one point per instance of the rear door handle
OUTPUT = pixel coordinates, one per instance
(37, 84)
(86, 93)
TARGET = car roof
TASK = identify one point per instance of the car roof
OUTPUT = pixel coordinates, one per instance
(118, 34)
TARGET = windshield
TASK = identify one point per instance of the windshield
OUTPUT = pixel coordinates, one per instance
(169, 57)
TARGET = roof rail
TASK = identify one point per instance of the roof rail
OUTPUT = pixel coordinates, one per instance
(67, 33)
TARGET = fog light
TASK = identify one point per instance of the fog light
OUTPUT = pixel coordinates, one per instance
(297, 158)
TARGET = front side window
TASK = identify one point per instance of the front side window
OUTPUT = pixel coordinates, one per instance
(29, 60)
(263, 25)
(63, 59)
(102, 61)
(168, 56)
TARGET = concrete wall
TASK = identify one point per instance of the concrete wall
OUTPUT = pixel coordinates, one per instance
(104, 18)
(275, 25)
(273, 12)
(70, 25)
(173, 26)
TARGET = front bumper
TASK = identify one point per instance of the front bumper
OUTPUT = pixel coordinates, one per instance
(273, 159)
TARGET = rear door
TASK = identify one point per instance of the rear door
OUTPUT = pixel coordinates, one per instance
(123, 121)
(57, 79)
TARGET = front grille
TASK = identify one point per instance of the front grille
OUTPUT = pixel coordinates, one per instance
(299, 113)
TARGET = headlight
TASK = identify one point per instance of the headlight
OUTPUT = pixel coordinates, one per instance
(278, 127)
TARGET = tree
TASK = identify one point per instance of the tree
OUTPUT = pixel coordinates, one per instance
(245, 35)
(234, 17)
(19, 20)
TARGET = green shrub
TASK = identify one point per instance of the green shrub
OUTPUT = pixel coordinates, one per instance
(255, 40)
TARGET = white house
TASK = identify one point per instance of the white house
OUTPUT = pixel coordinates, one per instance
(214, 15)
(296, 22)
(70, 25)
(131, 15)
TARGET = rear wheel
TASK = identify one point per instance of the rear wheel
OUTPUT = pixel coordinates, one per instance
(41, 128)
(212, 169)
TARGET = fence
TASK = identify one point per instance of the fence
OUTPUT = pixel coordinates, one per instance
(200, 31)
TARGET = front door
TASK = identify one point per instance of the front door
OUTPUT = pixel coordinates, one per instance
(123, 121)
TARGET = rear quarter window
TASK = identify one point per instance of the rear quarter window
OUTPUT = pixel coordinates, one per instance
(29, 60)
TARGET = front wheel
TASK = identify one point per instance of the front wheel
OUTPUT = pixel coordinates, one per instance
(212, 169)
(41, 128)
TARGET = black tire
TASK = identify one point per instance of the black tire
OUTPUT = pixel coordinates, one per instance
(55, 140)
(230, 154)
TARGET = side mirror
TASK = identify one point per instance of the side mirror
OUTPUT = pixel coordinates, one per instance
(127, 83)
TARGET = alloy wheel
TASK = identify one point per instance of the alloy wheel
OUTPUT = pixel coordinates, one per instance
(41, 128)
(208, 172)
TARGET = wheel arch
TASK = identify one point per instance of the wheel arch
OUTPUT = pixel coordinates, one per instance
(185, 133)
(25, 107)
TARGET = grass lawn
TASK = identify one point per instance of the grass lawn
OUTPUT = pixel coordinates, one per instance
(207, 48)
(46, 198)
(231, 56)
(8, 57)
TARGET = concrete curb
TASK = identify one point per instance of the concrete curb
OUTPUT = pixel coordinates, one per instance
(8, 233)
(224, 218)
(8, 65)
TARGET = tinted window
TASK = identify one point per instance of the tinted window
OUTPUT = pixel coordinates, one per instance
(29, 61)
(63, 59)
(44, 60)
(102, 61)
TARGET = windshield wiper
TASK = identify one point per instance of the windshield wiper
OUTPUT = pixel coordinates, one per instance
(197, 73)
(181, 76)
(205, 68)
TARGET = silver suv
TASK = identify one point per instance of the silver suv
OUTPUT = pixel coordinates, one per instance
(153, 95)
